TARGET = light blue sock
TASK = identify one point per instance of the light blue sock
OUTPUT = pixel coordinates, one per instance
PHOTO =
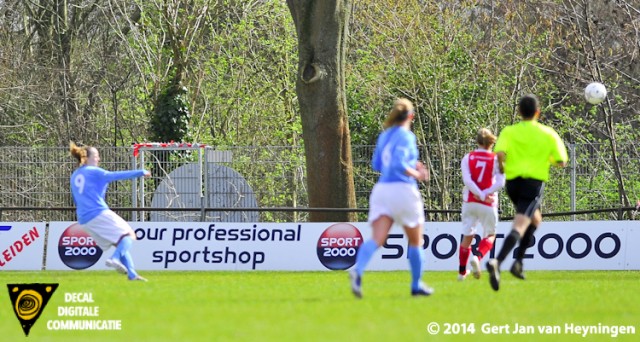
(122, 253)
(416, 258)
(365, 253)
(128, 262)
(122, 247)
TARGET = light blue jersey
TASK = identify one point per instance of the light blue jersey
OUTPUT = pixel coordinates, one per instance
(396, 151)
(89, 186)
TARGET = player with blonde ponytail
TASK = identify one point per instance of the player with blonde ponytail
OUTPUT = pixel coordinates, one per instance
(482, 180)
(395, 197)
(89, 185)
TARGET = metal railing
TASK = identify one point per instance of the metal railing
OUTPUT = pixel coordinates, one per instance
(267, 184)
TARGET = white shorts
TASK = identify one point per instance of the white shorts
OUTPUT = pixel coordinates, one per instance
(107, 229)
(476, 213)
(400, 201)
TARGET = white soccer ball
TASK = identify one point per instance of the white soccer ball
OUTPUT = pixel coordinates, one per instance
(595, 93)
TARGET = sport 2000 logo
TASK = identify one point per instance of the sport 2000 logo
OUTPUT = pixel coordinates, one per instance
(77, 249)
(338, 246)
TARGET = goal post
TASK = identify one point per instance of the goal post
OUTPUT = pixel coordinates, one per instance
(194, 182)
(158, 159)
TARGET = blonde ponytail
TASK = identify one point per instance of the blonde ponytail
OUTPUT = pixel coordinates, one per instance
(80, 153)
(485, 138)
(400, 112)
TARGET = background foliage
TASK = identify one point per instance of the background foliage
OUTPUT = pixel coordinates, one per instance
(112, 72)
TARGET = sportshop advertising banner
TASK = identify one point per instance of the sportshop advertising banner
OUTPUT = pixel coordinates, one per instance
(584, 245)
(21, 245)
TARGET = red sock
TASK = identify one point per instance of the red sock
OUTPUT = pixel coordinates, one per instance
(464, 258)
(484, 247)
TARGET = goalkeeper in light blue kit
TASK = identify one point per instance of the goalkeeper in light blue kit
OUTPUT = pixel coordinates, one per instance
(89, 185)
(395, 197)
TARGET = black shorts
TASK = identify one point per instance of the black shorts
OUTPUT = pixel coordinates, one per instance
(526, 194)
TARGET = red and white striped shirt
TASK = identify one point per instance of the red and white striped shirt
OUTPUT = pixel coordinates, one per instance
(481, 176)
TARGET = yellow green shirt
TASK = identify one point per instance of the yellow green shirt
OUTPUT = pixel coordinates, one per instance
(530, 148)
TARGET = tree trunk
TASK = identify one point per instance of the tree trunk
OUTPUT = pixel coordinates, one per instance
(67, 89)
(322, 28)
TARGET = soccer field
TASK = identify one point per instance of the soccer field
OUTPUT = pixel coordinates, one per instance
(318, 306)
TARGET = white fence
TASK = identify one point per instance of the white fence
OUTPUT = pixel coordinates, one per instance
(34, 183)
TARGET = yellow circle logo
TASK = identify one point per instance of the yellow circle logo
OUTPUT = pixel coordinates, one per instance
(28, 304)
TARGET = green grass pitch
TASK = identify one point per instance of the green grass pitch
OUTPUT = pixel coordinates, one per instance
(318, 306)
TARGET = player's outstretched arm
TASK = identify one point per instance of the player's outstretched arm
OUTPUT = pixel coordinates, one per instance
(112, 176)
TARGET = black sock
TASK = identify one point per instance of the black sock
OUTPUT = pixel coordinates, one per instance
(527, 238)
(508, 245)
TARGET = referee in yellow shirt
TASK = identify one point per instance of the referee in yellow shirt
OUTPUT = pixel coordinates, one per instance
(525, 151)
